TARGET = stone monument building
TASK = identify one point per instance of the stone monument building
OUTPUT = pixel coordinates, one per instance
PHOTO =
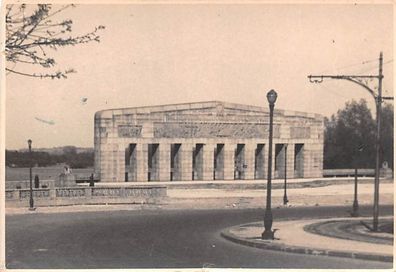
(205, 141)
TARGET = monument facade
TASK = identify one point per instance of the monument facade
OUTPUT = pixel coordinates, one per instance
(205, 141)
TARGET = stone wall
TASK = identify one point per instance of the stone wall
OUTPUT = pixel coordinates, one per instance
(85, 195)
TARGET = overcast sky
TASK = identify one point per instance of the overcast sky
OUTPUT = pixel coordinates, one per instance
(174, 53)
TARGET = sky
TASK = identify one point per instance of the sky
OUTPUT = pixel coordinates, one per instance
(155, 54)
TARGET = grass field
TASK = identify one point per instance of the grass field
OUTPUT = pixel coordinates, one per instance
(44, 173)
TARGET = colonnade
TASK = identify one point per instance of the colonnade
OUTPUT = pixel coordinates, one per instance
(209, 161)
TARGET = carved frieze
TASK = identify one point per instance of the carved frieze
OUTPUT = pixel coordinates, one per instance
(300, 132)
(213, 130)
(220, 116)
(126, 131)
(102, 132)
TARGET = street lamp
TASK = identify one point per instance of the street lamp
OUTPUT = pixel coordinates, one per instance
(355, 205)
(268, 234)
(285, 200)
(31, 202)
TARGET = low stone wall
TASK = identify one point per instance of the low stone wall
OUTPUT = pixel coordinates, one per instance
(384, 172)
(86, 195)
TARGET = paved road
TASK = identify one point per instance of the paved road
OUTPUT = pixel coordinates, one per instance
(156, 238)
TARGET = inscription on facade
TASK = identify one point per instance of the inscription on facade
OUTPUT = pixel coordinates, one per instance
(219, 117)
(102, 131)
(129, 131)
(213, 130)
(300, 132)
(70, 192)
(36, 193)
(106, 192)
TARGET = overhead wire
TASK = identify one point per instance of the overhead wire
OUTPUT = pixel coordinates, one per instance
(375, 67)
(333, 92)
(356, 64)
(351, 65)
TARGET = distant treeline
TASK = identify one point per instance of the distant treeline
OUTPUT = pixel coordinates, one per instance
(69, 156)
(350, 137)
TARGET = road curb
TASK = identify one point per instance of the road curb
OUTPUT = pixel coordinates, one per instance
(278, 246)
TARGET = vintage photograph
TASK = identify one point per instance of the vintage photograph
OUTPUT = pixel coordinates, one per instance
(205, 135)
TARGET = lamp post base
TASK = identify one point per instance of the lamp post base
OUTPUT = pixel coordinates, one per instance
(355, 209)
(285, 200)
(32, 209)
(268, 235)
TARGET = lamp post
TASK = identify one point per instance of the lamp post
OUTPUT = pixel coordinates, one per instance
(355, 205)
(285, 200)
(31, 202)
(268, 234)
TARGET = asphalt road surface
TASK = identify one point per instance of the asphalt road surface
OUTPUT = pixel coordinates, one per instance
(157, 239)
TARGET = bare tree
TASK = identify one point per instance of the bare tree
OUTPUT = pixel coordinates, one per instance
(31, 32)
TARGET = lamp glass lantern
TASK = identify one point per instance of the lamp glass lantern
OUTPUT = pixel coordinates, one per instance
(271, 97)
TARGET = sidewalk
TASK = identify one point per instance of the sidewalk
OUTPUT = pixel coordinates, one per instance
(333, 195)
(291, 236)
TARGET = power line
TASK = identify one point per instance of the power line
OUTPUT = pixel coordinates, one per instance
(371, 68)
(334, 92)
(376, 67)
(358, 64)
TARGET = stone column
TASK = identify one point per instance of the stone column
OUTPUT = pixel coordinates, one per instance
(280, 161)
(208, 161)
(290, 161)
(186, 155)
(300, 161)
(141, 161)
(250, 151)
(229, 153)
(109, 163)
(266, 148)
(119, 163)
(313, 159)
(164, 161)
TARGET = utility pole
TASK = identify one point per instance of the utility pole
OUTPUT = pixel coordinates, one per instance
(377, 147)
(360, 80)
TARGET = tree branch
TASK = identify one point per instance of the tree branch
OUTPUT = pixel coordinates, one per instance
(27, 32)
(52, 76)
